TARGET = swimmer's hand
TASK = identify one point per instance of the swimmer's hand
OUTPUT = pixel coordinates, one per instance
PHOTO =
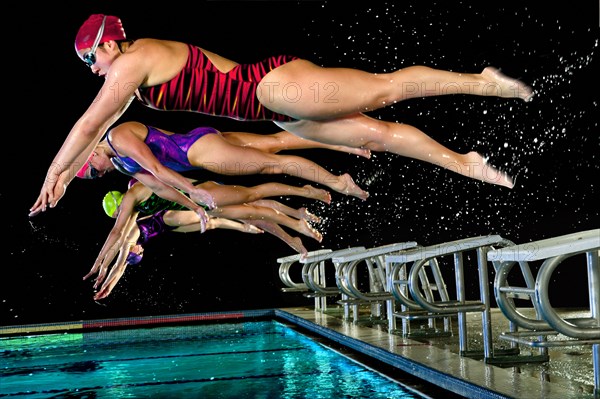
(49, 196)
(111, 281)
(203, 197)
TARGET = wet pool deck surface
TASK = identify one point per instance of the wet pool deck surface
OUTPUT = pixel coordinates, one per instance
(567, 374)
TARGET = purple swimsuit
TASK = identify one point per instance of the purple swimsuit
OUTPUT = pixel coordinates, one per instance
(150, 227)
(170, 150)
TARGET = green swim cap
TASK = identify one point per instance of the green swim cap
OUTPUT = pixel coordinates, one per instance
(111, 202)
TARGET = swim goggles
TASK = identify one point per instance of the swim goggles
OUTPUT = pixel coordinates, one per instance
(90, 57)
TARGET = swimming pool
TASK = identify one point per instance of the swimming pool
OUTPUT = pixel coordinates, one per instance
(258, 358)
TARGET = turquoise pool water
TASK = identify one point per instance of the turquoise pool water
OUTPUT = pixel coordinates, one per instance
(254, 359)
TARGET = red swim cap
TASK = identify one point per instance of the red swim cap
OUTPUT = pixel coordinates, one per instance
(113, 30)
(82, 173)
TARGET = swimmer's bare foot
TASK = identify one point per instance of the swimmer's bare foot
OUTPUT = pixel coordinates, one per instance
(296, 244)
(506, 87)
(310, 231)
(318, 194)
(476, 167)
(347, 186)
(310, 217)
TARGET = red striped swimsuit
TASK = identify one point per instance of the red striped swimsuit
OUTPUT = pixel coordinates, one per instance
(200, 87)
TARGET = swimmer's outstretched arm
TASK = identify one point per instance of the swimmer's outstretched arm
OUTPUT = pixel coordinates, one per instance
(105, 110)
(124, 227)
(116, 272)
(59, 191)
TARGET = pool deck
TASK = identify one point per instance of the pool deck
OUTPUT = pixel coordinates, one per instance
(567, 374)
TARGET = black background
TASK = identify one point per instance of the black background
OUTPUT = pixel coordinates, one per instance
(550, 145)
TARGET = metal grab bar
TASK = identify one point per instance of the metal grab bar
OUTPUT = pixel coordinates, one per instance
(553, 251)
(422, 256)
(399, 283)
(440, 307)
(284, 270)
(411, 310)
(347, 282)
(313, 274)
(584, 328)
(504, 294)
(346, 276)
(314, 278)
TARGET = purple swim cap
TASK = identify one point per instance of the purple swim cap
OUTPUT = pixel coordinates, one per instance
(134, 259)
